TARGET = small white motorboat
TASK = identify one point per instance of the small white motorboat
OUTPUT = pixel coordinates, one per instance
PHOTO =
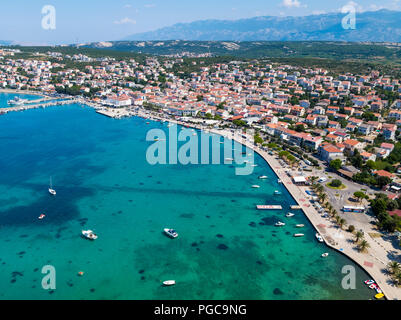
(324, 255)
(277, 192)
(289, 215)
(280, 224)
(255, 186)
(42, 216)
(319, 237)
(279, 181)
(300, 225)
(169, 283)
(171, 233)
(263, 177)
(89, 234)
(298, 235)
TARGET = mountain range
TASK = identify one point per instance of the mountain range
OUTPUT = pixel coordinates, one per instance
(376, 26)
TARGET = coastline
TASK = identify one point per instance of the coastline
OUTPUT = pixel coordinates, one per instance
(17, 91)
(333, 237)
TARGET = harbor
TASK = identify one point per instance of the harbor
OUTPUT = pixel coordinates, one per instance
(329, 233)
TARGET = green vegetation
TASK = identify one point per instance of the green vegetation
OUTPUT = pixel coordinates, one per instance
(336, 164)
(394, 269)
(359, 195)
(336, 184)
(380, 207)
(258, 139)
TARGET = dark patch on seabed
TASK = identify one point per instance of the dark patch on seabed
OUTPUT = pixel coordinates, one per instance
(56, 208)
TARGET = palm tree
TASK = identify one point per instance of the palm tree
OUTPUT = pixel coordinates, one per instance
(319, 189)
(334, 212)
(322, 197)
(397, 278)
(342, 222)
(358, 236)
(364, 245)
(394, 267)
(337, 219)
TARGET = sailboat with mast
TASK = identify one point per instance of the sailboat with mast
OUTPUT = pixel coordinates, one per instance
(51, 190)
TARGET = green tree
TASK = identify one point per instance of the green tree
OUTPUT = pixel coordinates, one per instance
(336, 183)
(358, 236)
(363, 246)
(394, 267)
(360, 195)
(336, 164)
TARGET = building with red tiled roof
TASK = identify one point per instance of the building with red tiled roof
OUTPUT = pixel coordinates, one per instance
(384, 173)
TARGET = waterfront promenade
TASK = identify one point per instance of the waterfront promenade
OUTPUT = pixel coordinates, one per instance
(374, 262)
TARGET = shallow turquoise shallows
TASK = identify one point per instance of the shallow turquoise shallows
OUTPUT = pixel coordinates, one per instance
(226, 249)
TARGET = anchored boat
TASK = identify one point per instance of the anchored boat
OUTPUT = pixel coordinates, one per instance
(51, 190)
(89, 234)
(171, 233)
(319, 237)
(169, 283)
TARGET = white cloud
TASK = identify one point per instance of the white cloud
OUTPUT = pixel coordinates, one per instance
(291, 3)
(125, 21)
(352, 4)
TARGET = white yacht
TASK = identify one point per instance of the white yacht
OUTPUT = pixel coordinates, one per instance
(263, 177)
(324, 255)
(255, 186)
(298, 235)
(300, 225)
(51, 190)
(17, 101)
(89, 234)
(171, 233)
(289, 215)
(279, 181)
(169, 282)
(280, 224)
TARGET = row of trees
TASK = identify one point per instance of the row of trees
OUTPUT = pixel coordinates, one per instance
(362, 244)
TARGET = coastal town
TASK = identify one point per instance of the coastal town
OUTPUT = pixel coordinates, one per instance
(332, 139)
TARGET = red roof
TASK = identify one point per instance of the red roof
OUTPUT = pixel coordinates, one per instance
(384, 173)
(395, 213)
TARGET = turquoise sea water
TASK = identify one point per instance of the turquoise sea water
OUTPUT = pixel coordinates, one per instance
(226, 248)
(4, 97)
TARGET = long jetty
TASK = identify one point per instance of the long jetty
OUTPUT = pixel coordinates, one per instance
(37, 105)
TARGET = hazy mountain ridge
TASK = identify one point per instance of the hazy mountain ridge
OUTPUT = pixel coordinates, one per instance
(378, 26)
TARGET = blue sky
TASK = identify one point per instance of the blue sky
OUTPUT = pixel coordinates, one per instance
(79, 21)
